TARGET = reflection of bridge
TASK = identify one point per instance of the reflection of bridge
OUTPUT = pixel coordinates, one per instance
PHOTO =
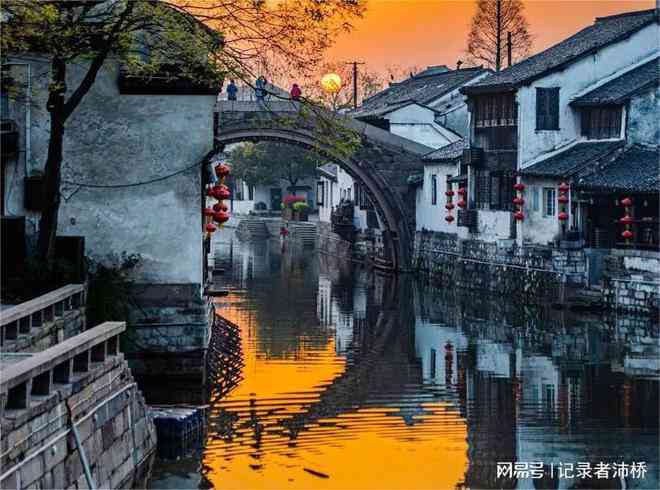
(381, 162)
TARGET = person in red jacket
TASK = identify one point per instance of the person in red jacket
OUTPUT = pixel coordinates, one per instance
(295, 92)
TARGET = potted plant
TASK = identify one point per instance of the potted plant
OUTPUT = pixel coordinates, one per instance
(288, 212)
(300, 211)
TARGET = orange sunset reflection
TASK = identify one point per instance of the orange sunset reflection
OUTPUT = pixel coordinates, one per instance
(375, 444)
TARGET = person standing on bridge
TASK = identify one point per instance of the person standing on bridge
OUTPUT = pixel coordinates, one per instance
(295, 92)
(232, 90)
(260, 88)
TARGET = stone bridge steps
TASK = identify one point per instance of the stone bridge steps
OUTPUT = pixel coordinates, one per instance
(304, 233)
(252, 229)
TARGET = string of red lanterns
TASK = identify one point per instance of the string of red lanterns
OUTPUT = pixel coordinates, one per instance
(562, 199)
(627, 220)
(462, 191)
(519, 187)
(450, 205)
(219, 213)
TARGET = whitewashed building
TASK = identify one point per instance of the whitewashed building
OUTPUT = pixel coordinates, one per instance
(583, 112)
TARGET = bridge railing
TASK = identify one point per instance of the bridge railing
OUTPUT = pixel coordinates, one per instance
(20, 319)
(34, 376)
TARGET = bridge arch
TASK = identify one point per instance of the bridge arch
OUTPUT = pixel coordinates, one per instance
(379, 164)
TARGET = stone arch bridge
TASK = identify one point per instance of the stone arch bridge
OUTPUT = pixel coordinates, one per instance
(380, 161)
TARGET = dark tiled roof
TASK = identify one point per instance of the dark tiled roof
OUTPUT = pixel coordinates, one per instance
(604, 31)
(423, 88)
(416, 179)
(623, 87)
(571, 161)
(329, 170)
(636, 169)
(449, 152)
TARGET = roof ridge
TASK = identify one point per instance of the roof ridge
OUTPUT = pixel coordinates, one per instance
(624, 14)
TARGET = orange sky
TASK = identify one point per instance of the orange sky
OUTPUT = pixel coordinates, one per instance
(407, 33)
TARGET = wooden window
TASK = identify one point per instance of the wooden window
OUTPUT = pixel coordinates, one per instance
(536, 199)
(601, 122)
(495, 110)
(547, 108)
(549, 201)
(432, 363)
(482, 189)
(320, 193)
(434, 189)
(501, 190)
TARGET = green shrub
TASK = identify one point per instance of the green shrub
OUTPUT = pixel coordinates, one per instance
(299, 207)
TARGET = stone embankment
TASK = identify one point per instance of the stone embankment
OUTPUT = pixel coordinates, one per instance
(71, 415)
(628, 280)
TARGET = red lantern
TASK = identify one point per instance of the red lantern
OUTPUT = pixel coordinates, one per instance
(449, 206)
(627, 234)
(211, 228)
(221, 217)
(449, 193)
(626, 220)
(626, 202)
(208, 212)
(518, 201)
(563, 187)
(210, 192)
(449, 218)
(519, 216)
(221, 192)
(461, 203)
(563, 216)
(461, 191)
(222, 170)
(563, 199)
(519, 186)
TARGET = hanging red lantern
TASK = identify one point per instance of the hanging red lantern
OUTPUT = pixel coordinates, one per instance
(626, 220)
(449, 206)
(221, 192)
(461, 203)
(208, 212)
(461, 191)
(563, 199)
(518, 201)
(210, 192)
(222, 170)
(221, 217)
(563, 187)
(210, 228)
(519, 216)
(449, 193)
(627, 234)
(449, 218)
(563, 216)
(519, 186)
(626, 202)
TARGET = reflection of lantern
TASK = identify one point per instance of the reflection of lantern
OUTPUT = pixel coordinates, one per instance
(461, 191)
(519, 201)
(449, 193)
(449, 206)
(519, 186)
(461, 204)
(449, 218)
(627, 202)
(563, 187)
(627, 234)
(519, 215)
(626, 220)
(210, 228)
(563, 199)
(563, 216)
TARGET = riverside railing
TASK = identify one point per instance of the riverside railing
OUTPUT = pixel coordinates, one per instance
(35, 375)
(20, 319)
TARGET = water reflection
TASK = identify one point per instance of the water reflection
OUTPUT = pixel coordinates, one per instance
(353, 380)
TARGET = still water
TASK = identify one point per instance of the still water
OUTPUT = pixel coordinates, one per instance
(353, 380)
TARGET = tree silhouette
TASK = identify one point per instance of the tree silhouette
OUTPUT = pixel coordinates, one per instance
(492, 24)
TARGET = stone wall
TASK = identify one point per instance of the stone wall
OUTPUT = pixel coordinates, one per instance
(534, 274)
(632, 281)
(38, 449)
(331, 243)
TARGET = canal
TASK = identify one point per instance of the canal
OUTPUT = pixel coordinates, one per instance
(353, 380)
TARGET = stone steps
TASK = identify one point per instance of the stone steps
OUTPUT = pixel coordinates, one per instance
(251, 229)
(304, 233)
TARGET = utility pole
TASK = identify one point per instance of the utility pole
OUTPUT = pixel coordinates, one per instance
(509, 47)
(355, 76)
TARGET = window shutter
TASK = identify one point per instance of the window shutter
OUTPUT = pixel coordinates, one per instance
(540, 106)
(554, 108)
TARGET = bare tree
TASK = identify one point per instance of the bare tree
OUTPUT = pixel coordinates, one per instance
(494, 23)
